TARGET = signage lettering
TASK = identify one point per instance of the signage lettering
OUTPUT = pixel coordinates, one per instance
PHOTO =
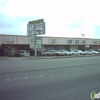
(36, 21)
(53, 40)
(95, 42)
(69, 41)
(10, 39)
(83, 41)
(76, 41)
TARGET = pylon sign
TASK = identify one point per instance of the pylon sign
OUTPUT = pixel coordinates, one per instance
(36, 27)
(38, 42)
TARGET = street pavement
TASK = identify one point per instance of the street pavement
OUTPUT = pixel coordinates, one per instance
(49, 79)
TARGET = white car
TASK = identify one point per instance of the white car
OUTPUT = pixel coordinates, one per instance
(63, 53)
(78, 52)
(92, 52)
(24, 53)
(50, 52)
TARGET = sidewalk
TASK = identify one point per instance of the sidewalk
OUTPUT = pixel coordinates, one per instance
(30, 57)
(44, 57)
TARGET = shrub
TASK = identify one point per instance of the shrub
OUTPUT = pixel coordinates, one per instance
(15, 54)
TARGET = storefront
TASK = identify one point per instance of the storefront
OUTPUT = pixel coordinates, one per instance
(12, 43)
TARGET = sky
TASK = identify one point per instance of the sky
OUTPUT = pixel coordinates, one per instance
(63, 18)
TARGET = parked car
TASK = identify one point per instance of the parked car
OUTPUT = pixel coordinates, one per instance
(43, 53)
(97, 50)
(91, 51)
(78, 52)
(24, 53)
(63, 53)
(50, 52)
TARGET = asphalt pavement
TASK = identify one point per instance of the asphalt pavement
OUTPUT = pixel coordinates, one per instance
(45, 57)
(49, 79)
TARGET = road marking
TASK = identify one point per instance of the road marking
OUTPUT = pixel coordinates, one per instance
(8, 80)
(24, 78)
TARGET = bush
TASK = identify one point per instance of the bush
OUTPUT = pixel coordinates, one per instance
(15, 54)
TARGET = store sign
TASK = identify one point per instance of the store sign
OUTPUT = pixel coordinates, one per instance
(76, 41)
(69, 41)
(95, 42)
(87, 46)
(83, 41)
(36, 21)
(32, 42)
(40, 28)
(9, 39)
(36, 27)
(30, 29)
(38, 42)
(53, 40)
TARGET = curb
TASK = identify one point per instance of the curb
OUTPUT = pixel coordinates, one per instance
(45, 57)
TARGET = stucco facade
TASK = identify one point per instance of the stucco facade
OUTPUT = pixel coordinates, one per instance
(23, 42)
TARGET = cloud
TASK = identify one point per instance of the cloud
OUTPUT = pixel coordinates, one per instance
(62, 17)
(3, 2)
(78, 24)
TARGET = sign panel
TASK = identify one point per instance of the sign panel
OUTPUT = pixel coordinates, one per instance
(40, 28)
(36, 27)
(32, 42)
(36, 21)
(76, 41)
(87, 45)
(53, 40)
(30, 29)
(83, 41)
(69, 41)
(95, 42)
(38, 42)
(9, 39)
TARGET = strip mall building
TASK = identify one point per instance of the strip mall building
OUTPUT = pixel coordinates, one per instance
(14, 42)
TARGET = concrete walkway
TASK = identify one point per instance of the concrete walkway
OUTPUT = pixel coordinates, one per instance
(44, 57)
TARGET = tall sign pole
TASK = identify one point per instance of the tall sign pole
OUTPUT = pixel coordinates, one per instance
(35, 47)
(34, 28)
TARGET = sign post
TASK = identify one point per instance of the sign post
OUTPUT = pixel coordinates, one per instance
(36, 27)
(35, 47)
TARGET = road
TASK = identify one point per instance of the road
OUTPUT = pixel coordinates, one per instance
(49, 79)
